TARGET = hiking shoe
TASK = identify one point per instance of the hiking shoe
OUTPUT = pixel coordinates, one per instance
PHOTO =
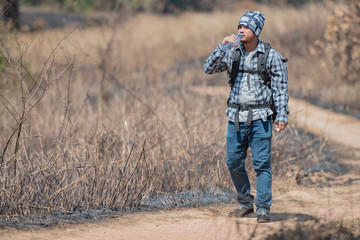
(241, 212)
(263, 217)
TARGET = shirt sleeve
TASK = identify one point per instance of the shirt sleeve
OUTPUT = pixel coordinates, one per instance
(217, 61)
(279, 86)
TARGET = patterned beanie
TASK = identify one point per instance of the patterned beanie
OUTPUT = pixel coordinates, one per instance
(254, 21)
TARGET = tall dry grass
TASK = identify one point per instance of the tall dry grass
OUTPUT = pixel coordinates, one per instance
(104, 117)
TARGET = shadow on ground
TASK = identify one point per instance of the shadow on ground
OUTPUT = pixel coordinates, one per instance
(279, 217)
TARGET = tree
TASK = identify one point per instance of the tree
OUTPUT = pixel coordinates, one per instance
(11, 13)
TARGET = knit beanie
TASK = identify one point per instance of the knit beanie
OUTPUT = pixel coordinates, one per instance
(254, 21)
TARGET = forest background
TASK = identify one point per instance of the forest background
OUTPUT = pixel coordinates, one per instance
(11, 7)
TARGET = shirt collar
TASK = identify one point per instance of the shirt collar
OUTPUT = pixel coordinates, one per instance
(260, 47)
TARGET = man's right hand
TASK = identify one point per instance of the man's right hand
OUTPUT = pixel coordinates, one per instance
(231, 38)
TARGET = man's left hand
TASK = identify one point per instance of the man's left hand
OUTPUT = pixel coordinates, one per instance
(280, 126)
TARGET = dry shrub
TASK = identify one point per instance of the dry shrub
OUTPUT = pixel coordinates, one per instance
(343, 42)
(75, 149)
(109, 118)
(337, 57)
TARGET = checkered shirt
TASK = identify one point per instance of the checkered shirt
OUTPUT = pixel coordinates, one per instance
(221, 60)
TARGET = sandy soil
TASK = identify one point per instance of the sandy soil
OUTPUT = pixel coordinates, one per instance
(309, 206)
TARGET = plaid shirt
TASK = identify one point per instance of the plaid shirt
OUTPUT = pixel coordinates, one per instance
(221, 60)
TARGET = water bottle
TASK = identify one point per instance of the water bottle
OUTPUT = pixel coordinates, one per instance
(230, 45)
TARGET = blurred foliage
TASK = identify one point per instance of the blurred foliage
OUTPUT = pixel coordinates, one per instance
(342, 43)
(2, 62)
(159, 6)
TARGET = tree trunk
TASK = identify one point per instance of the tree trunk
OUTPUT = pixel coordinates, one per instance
(11, 13)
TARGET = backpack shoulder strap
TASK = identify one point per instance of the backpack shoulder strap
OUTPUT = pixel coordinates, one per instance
(235, 66)
(261, 64)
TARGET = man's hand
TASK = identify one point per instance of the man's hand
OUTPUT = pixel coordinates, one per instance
(280, 126)
(231, 38)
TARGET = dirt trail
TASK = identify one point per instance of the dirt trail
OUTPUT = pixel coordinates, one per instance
(300, 206)
(310, 206)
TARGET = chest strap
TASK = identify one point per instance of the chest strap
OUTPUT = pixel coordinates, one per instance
(245, 107)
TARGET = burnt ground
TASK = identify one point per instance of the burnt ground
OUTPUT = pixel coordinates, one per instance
(33, 19)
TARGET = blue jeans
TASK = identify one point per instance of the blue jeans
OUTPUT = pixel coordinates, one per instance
(258, 137)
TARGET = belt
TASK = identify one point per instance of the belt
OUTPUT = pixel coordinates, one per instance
(245, 107)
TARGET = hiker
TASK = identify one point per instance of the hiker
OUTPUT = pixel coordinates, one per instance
(257, 75)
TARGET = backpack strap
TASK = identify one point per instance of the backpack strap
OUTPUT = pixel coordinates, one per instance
(261, 64)
(235, 66)
(242, 107)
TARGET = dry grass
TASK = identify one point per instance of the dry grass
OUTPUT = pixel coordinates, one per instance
(332, 230)
(108, 120)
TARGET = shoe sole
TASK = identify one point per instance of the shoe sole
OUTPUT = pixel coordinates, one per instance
(263, 221)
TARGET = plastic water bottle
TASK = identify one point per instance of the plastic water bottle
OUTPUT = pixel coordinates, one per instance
(230, 45)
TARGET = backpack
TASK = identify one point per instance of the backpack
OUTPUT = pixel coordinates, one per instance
(261, 70)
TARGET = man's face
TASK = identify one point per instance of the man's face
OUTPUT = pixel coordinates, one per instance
(247, 34)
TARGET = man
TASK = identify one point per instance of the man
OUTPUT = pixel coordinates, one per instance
(249, 112)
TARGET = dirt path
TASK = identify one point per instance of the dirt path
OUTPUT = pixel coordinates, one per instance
(310, 206)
